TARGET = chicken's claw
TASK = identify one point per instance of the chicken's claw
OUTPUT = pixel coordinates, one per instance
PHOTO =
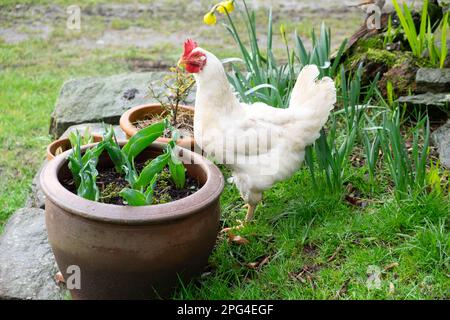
(249, 217)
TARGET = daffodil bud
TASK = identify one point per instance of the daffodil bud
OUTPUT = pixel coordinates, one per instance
(225, 6)
(282, 29)
(283, 32)
(210, 18)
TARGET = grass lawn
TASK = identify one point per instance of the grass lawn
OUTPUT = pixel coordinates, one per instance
(306, 244)
(303, 244)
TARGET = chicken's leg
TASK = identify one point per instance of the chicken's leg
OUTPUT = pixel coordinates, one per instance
(250, 213)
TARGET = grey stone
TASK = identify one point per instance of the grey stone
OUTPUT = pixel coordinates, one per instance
(433, 80)
(441, 138)
(104, 99)
(37, 197)
(437, 100)
(27, 264)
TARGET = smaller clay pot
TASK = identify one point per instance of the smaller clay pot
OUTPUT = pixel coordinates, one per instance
(65, 145)
(139, 112)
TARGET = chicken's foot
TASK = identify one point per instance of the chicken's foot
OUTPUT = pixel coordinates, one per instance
(238, 227)
(248, 218)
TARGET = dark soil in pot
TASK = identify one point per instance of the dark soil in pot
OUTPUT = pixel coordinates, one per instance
(110, 183)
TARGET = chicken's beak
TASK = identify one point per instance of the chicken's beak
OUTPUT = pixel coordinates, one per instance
(182, 63)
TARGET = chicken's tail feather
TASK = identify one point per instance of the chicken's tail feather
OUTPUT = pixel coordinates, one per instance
(313, 101)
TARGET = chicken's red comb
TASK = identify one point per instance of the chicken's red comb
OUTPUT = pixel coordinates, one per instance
(189, 45)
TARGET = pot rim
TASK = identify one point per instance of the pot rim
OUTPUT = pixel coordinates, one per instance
(58, 142)
(131, 130)
(127, 215)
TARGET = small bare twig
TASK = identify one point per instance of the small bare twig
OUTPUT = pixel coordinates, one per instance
(343, 290)
(334, 255)
(391, 266)
(178, 84)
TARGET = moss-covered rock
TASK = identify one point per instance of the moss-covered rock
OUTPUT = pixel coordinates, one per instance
(381, 56)
(375, 60)
(403, 78)
(397, 67)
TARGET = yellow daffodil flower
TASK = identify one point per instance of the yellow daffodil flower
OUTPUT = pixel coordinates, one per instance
(225, 6)
(210, 18)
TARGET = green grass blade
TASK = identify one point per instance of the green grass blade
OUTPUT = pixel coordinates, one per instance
(444, 49)
(423, 26)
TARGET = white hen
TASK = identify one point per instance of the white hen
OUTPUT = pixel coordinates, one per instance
(262, 145)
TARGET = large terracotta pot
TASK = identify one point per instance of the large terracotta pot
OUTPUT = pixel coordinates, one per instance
(139, 112)
(65, 145)
(132, 252)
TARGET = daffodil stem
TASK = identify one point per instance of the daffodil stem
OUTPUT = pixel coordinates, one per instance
(238, 39)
